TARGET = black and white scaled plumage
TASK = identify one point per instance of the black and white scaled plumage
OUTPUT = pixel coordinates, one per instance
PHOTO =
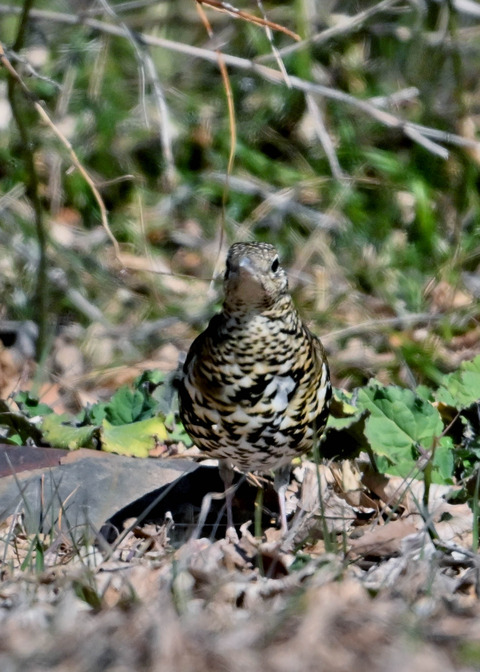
(255, 389)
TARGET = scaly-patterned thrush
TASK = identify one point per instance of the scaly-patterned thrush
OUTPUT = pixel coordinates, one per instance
(255, 389)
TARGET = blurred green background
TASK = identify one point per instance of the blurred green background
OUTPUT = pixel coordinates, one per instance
(378, 227)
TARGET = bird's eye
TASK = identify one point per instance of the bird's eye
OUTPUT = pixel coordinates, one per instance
(275, 264)
(227, 268)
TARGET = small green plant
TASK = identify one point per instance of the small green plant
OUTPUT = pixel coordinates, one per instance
(412, 433)
(133, 422)
(431, 435)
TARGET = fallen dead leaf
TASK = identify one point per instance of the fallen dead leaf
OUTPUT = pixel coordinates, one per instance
(384, 540)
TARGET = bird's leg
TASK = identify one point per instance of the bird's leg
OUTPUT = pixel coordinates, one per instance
(282, 479)
(226, 472)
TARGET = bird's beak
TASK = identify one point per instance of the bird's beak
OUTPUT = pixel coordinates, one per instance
(246, 266)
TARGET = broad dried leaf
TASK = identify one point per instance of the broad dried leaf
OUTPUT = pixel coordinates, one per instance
(384, 540)
(136, 439)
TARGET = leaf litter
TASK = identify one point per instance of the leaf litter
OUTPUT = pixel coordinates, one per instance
(370, 576)
(373, 573)
(360, 581)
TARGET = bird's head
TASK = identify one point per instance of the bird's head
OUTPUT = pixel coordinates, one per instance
(254, 281)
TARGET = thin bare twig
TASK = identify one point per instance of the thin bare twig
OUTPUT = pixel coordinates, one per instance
(396, 98)
(266, 73)
(427, 144)
(149, 73)
(346, 26)
(444, 136)
(61, 108)
(324, 137)
(84, 174)
(29, 69)
(58, 278)
(65, 142)
(123, 7)
(227, 8)
(233, 136)
(385, 323)
(282, 200)
(275, 52)
(32, 183)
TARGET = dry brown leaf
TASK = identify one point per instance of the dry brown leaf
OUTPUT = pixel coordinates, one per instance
(364, 357)
(396, 491)
(9, 372)
(160, 450)
(445, 297)
(155, 265)
(54, 396)
(384, 540)
(453, 522)
(348, 479)
(332, 509)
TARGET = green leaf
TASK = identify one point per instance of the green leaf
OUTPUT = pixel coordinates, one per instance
(462, 388)
(30, 405)
(398, 418)
(136, 439)
(165, 396)
(14, 440)
(341, 405)
(443, 461)
(58, 433)
(405, 468)
(150, 378)
(399, 421)
(176, 431)
(128, 405)
(424, 392)
(342, 423)
(20, 428)
(93, 415)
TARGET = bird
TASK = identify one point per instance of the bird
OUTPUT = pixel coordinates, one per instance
(255, 387)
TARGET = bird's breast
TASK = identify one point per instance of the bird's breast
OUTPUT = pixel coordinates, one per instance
(251, 395)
